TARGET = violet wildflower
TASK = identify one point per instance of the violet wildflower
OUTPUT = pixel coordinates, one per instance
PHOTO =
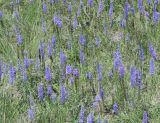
(40, 92)
(81, 114)
(69, 8)
(71, 80)
(90, 3)
(89, 76)
(64, 2)
(48, 74)
(132, 11)
(139, 79)
(111, 10)
(90, 118)
(19, 39)
(63, 94)
(111, 74)
(49, 90)
(49, 49)
(115, 108)
(101, 92)
(44, 7)
(140, 6)
(41, 49)
(51, 2)
(76, 72)
(57, 21)
(121, 71)
(100, 9)
(99, 71)
(1, 14)
(156, 16)
(31, 114)
(82, 39)
(68, 69)
(152, 51)
(149, 2)
(75, 22)
(126, 10)
(117, 59)
(133, 76)
(54, 41)
(145, 117)
(141, 54)
(98, 98)
(123, 23)
(12, 73)
(26, 63)
(16, 14)
(151, 67)
(62, 58)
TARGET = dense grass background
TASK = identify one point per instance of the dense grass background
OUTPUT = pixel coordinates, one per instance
(104, 36)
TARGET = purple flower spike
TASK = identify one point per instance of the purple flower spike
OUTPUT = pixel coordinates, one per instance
(1, 14)
(75, 22)
(31, 114)
(76, 72)
(26, 63)
(48, 74)
(54, 41)
(82, 39)
(68, 69)
(12, 73)
(121, 71)
(98, 98)
(81, 115)
(133, 76)
(70, 8)
(90, 118)
(63, 94)
(111, 10)
(145, 117)
(57, 21)
(44, 7)
(19, 39)
(149, 2)
(89, 76)
(62, 58)
(49, 90)
(40, 92)
(126, 10)
(41, 49)
(71, 80)
(152, 51)
(115, 108)
(100, 9)
(90, 3)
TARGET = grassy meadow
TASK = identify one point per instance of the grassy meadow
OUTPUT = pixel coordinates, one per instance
(79, 61)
